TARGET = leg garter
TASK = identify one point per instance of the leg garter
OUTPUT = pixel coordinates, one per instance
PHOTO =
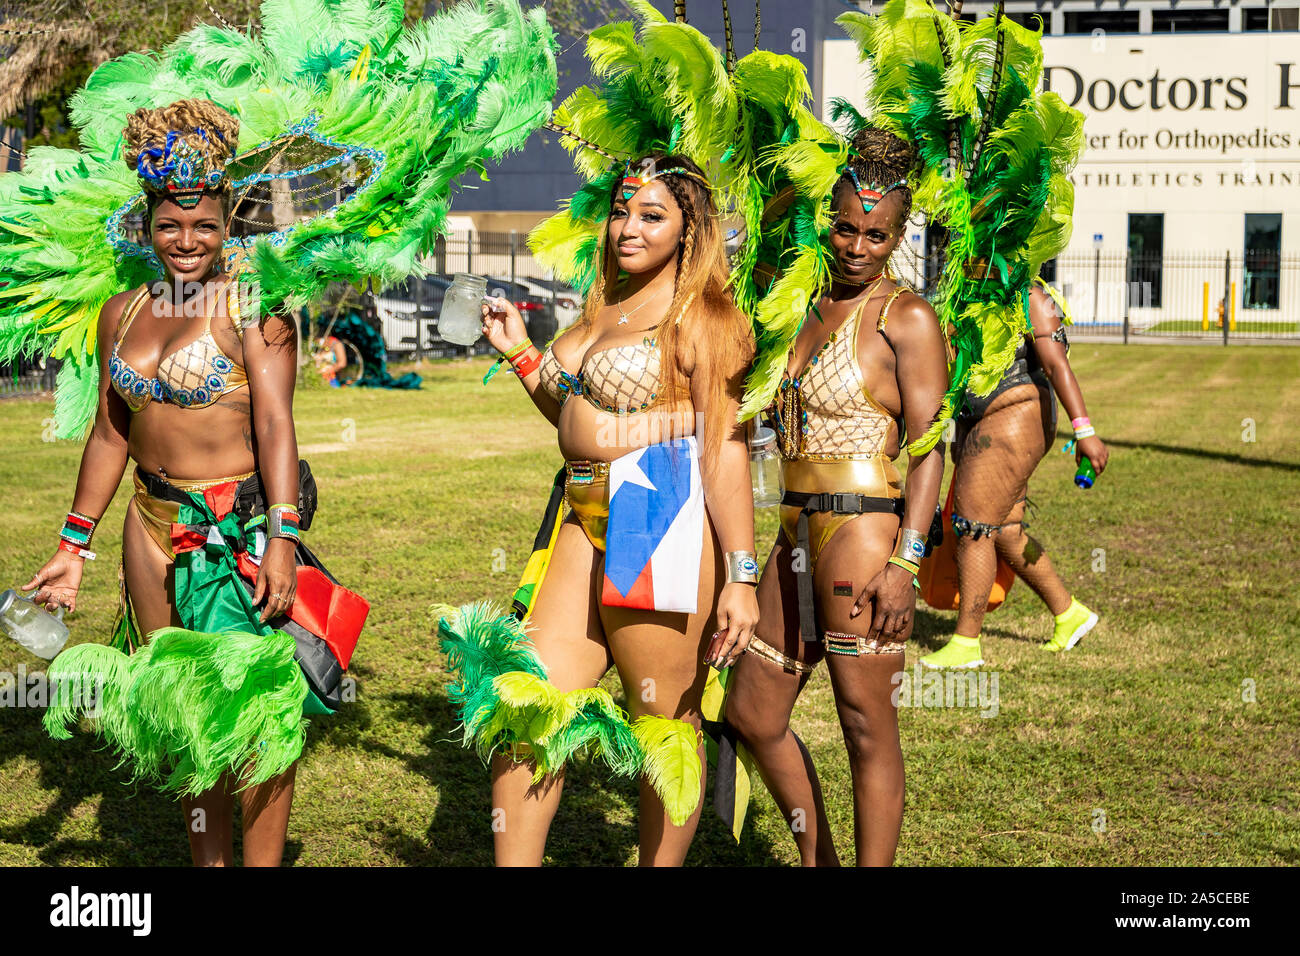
(851, 645)
(760, 648)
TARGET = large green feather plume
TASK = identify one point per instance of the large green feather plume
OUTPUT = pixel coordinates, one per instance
(428, 102)
(770, 162)
(506, 704)
(995, 162)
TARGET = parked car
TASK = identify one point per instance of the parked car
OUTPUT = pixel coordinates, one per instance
(567, 300)
(405, 323)
(539, 315)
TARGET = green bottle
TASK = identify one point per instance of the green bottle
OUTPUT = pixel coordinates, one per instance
(1086, 475)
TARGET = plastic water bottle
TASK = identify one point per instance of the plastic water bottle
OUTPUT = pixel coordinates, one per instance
(31, 626)
(461, 319)
(764, 469)
(1086, 475)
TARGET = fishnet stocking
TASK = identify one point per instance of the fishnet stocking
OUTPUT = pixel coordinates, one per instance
(995, 458)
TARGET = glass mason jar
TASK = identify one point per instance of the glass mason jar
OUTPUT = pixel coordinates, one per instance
(33, 627)
(461, 319)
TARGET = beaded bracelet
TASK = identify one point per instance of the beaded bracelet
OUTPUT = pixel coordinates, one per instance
(282, 522)
(78, 529)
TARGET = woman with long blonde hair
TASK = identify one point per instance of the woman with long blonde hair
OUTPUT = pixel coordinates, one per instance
(656, 362)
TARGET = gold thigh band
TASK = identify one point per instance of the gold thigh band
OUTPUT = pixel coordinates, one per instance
(851, 645)
(760, 648)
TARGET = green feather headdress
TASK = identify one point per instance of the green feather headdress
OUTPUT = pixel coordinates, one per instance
(995, 160)
(746, 123)
(353, 129)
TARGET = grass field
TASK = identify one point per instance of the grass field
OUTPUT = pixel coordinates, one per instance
(1168, 737)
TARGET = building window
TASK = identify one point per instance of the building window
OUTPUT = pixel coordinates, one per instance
(1189, 21)
(1146, 246)
(1285, 19)
(1263, 255)
(1110, 21)
(1254, 18)
(1032, 21)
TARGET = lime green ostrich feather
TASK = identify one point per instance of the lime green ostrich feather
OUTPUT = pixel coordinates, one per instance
(506, 704)
(768, 159)
(420, 104)
(187, 707)
(995, 156)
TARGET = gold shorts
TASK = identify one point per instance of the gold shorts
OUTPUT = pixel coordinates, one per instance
(158, 515)
(586, 489)
(874, 477)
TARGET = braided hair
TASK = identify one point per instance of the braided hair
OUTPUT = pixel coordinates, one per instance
(702, 330)
(878, 156)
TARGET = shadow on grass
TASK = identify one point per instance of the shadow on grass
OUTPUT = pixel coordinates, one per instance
(1231, 459)
(138, 825)
(594, 826)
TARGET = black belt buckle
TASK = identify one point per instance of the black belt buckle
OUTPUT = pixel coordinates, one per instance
(846, 503)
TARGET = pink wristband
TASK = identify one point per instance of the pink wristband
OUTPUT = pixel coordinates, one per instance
(1078, 423)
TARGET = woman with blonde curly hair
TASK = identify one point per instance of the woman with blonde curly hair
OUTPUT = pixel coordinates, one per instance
(200, 686)
(655, 365)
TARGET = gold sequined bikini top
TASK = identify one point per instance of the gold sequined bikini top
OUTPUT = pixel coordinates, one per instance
(194, 376)
(623, 380)
(826, 413)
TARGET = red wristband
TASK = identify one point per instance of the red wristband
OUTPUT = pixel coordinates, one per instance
(527, 366)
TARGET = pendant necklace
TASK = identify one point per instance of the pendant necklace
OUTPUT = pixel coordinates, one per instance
(624, 316)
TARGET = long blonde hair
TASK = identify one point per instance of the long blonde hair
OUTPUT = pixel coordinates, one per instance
(701, 316)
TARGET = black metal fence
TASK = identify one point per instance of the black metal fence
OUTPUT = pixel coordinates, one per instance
(28, 377)
(1204, 296)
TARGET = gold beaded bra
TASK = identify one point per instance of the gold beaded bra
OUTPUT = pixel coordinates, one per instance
(622, 380)
(826, 412)
(194, 376)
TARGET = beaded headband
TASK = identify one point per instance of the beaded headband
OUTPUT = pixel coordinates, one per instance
(180, 170)
(872, 193)
(645, 173)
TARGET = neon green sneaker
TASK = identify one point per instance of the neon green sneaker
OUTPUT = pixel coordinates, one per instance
(1071, 625)
(958, 652)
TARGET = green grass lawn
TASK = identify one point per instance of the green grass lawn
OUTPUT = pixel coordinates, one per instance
(1136, 748)
(1244, 326)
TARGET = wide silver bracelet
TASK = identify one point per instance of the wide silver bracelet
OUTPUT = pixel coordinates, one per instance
(911, 545)
(742, 567)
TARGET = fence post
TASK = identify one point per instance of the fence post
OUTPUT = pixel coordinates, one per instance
(469, 253)
(1096, 284)
(418, 299)
(1227, 291)
(1128, 294)
(513, 248)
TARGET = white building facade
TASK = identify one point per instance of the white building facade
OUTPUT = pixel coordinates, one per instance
(1188, 190)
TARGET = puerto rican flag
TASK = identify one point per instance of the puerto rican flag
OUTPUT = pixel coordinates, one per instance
(656, 528)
